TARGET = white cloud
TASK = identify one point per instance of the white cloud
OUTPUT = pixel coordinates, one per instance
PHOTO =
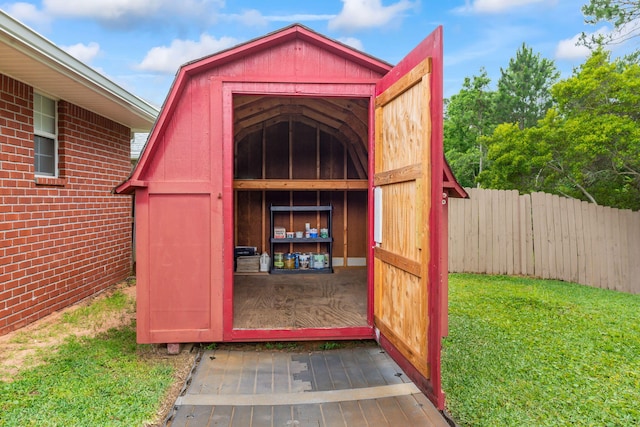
(495, 6)
(167, 59)
(362, 14)
(570, 49)
(299, 17)
(82, 52)
(626, 32)
(251, 18)
(27, 12)
(353, 42)
(130, 12)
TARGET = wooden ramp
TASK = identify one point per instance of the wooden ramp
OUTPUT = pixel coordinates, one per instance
(344, 387)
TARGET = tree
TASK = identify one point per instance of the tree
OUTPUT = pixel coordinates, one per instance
(587, 147)
(469, 115)
(623, 14)
(524, 88)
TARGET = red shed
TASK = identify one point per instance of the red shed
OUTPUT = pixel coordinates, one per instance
(327, 159)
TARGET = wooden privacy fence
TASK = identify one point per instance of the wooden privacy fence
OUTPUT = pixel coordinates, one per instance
(546, 236)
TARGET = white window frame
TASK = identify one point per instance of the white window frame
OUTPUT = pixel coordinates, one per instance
(45, 134)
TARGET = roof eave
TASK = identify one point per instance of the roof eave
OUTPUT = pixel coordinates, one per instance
(124, 107)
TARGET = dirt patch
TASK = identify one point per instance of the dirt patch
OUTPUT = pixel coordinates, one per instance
(26, 348)
(182, 364)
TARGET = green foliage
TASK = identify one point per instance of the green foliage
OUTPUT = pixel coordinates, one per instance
(587, 148)
(289, 346)
(524, 88)
(526, 352)
(523, 97)
(469, 116)
(621, 13)
(97, 381)
(329, 345)
(99, 309)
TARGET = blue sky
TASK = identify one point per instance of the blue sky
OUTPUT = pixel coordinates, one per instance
(140, 44)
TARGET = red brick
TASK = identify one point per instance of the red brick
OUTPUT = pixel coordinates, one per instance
(65, 238)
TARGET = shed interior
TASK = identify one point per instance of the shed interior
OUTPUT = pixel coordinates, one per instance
(302, 151)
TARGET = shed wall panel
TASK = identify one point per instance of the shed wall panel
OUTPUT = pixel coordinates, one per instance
(184, 152)
(179, 292)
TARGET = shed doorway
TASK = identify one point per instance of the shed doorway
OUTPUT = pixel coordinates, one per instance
(293, 154)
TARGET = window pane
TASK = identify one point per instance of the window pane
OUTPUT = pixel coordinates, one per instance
(45, 159)
(44, 114)
(48, 107)
(48, 125)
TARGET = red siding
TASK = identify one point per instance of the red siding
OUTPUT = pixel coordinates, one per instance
(294, 59)
(185, 177)
(184, 153)
(61, 239)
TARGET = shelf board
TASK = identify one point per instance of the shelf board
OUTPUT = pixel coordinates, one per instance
(303, 240)
(300, 208)
(301, 184)
(302, 271)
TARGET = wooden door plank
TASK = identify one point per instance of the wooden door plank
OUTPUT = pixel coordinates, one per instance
(573, 239)
(512, 246)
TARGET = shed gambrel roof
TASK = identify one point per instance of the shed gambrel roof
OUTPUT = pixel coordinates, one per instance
(223, 64)
(281, 36)
(32, 59)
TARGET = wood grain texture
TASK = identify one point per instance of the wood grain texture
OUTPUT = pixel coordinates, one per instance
(402, 171)
(547, 236)
(309, 301)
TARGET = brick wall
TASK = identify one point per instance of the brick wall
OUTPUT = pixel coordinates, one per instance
(61, 239)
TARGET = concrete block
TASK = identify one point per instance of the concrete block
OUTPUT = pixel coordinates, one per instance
(173, 348)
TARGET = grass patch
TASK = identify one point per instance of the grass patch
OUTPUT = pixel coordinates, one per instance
(540, 353)
(88, 381)
(86, 369)
(100, 310)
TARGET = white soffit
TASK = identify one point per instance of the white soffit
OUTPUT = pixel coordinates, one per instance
(30, 58)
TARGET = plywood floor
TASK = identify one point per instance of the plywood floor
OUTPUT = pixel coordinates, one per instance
(301, 300)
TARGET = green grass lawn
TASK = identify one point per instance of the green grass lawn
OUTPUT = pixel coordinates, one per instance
(103, 379)
(526, 352)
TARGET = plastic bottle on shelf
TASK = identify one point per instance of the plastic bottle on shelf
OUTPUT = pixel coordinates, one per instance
(264, 262)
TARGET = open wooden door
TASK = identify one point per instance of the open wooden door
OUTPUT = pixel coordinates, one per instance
(408, 194)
